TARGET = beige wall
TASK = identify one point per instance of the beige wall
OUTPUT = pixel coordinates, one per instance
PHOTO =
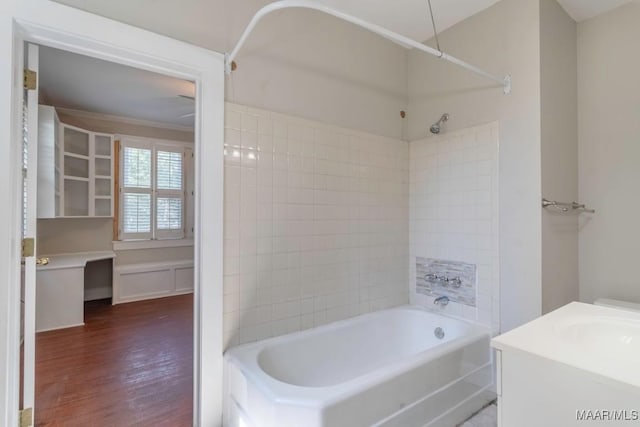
(502, 39)
(313, 66)
(559, 119)
(609, 153)
(63, 235)
(297, 62)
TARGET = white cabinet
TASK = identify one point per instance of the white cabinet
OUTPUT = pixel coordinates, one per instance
(59, 298)
(576, 366)
(135, 282)
(535, 392)
(60, 289)
(75, 169)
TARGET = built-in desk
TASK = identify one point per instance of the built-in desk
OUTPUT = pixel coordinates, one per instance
(60, 289)
(72, 260)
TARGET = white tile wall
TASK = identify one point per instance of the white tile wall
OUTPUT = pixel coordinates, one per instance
(454, 212)
(316, 224)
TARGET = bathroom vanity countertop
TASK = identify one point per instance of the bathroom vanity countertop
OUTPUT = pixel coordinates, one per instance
(74, 260)
(601, 340)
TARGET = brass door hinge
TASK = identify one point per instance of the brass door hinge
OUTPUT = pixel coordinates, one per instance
(26, 417)
(28, 247)
(30, 79)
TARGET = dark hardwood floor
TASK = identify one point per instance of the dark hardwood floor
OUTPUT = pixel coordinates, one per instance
(129, 365)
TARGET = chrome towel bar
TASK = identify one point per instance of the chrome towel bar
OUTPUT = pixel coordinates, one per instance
(564, 207)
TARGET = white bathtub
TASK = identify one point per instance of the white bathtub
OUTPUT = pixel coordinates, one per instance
(385, 369)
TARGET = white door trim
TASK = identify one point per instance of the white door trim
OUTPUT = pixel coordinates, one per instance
(29, 346)
(51, 24)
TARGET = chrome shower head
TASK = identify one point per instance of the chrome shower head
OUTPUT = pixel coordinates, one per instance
(435, 128)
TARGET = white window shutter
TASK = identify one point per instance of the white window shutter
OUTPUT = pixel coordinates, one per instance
(169, 192)
(136, 211)
(136, 194)
(169, 170)
(136, 167)
(189, 200)
(169, 213)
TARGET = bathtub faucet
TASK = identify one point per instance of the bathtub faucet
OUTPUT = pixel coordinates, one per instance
(431, 277)
(442, 301)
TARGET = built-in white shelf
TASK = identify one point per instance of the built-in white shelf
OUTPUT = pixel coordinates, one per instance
(79, 182)
(76, 178)
(77, 156)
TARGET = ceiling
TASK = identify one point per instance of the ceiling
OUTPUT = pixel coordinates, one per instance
(410, 17)
(581, 10)
(68, 80)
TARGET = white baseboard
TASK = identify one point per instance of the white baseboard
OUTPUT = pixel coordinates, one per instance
(73, 325)
(152, 296)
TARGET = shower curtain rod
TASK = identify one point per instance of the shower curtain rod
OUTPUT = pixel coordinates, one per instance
(406, 42)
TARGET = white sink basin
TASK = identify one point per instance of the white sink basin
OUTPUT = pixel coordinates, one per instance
(601, 340)
(607, 337)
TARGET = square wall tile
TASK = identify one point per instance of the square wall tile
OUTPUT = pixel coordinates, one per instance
(453, 213)
(316, 223)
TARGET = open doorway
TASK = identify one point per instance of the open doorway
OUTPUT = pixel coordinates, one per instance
(54, 25)
(115, 208)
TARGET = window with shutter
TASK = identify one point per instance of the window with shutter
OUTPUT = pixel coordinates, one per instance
(152, 194)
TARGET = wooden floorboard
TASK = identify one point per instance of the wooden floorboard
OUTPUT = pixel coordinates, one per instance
(129, 365)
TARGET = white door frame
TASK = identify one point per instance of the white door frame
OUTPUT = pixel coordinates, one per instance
(30, 222)
(52, 24)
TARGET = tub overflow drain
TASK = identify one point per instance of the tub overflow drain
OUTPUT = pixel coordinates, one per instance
(439, 333)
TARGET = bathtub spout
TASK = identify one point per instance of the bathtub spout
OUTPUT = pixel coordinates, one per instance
(442, 301)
